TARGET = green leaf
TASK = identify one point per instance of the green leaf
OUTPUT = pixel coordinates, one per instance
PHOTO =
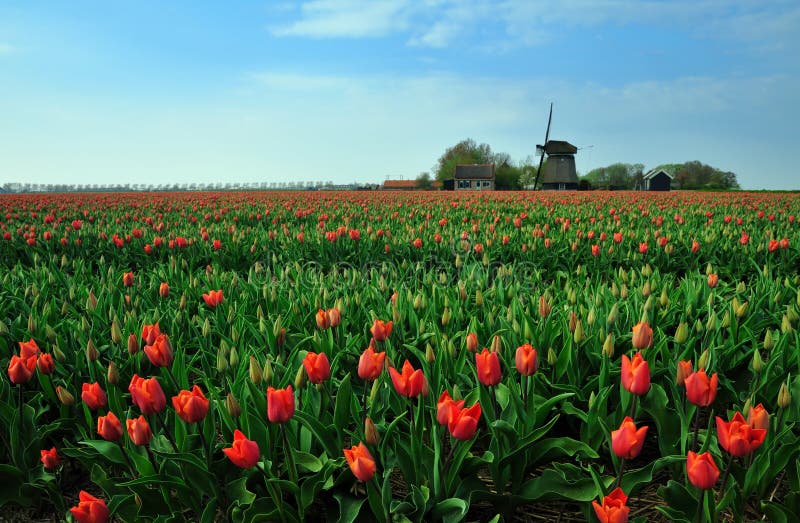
(349, 508)
(107, 449)
(451, 510)
(323, 434)
(308, 461)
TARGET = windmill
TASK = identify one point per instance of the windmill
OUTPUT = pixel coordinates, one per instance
(560, 173)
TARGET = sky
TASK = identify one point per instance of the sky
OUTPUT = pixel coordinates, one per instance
(188, 91)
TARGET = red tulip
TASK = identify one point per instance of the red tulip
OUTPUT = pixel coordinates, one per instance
(713, 280)
(90, 509)
(702, 470)
(381, 330)
(627, 441)
(361, 462)
(488, 367)
(684, 370)
(163, 289)
(635, 374)
(738, 437)
(280, 404)
(370, 364)
(50, 458)
(642, 336)
(46, 364)
(191, 406)
(212, 298)
(147, 395)
(243, 453)
(160, 351)
(150, 333)
(127, 279)
(464, 422)
(446, 407)
(758, 417)
(317, 367)
(139, 430)
(409, 383)
(28, 348)
(613, 509)
(93, 396)
(20, 370)
(109, 427)
(700, 390)
(526, 359)
(334, 317)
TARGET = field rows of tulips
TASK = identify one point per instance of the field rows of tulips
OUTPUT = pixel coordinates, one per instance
(400, 357)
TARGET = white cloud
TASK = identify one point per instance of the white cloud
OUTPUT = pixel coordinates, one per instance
(348, 19)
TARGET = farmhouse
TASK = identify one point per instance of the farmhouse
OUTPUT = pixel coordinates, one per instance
(656, 180)
(474, 177)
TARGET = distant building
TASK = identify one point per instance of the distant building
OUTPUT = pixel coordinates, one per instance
(558, 173)
(656, 180)
(474, 177)
(407, 185)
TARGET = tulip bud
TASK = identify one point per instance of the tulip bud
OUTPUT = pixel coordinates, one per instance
(222, 361)
(267, 374)
(206, 331)
(664, 299)
(116, 334)
(133, 344)
(31, 324)
(592, 398)
(712, 321)
(551, 357)
(234, 409)
(608, 346)
(256, 373)
(758, 363)
(646, 289)
(64, 396)
(112, 376)
(496, 344)
(446, 316)
(370, 432)
(590, 317)
(786, 325)
(91, 301)
(698, 326)
(681, 333)
(613, 314)
(702, 363)
(578, 336)
(545, 306)
(623, 292)
(91, 351)
(784, 396)
(768, 341)
(3, 328)
(478, 297)
(58, 355)
(709, 269)
(300, 378)
(430, 357)
(373, 393)
(614, 289)
(233, 359)
(418, 302)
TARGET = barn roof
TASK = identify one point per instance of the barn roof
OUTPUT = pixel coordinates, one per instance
(475, 172)
(559, 147)
(653, 172)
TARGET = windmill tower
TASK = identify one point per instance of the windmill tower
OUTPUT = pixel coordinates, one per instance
(559, 171)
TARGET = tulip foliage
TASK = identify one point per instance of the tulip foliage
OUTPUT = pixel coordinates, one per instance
(407, 356)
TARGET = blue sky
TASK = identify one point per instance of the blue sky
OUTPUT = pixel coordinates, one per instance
(188, 91)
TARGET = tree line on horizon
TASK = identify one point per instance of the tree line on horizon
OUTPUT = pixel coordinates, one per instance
(517, 175)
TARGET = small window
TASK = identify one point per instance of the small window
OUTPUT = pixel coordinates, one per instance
(487, 183)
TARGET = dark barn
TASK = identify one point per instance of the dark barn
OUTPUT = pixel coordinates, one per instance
(656, 180)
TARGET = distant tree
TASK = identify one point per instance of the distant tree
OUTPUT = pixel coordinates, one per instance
(424, 181)
(464, 152)
(697, 175)
(506, 175)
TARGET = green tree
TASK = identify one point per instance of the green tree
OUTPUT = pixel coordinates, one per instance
(464, 152)
(424, 181)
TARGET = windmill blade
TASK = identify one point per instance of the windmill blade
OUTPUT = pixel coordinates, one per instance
(544, 147)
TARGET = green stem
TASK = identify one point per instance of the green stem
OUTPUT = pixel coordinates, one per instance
(633, 406)
(133, 470)
(291, 466)
(696, 428)
(271, 489)
(206, 449)
(725, 478)
(619, 474)
(172, 379)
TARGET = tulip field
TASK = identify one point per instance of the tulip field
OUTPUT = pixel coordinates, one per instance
(409, 356)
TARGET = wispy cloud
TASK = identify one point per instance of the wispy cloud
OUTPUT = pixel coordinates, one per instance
(347, 19)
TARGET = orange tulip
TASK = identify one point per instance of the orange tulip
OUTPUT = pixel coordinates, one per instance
(488, 367)
(149, 334)
(334, 317)
(684, 370)
(381, 330)
(635, 374)
(109, 427)
(139, 431)
(191, 406)
(93, 395)
(472, 342)
(163, 289)
(20, 370)
(212, 298)
(147, 395)
(702, 470)
(627, 440)
(28, 348)
(464, 422)
(713, 280)
(50, 458)
(737, 436)
(160, 351)
(409, 383)
(46, 364)
(446, 407)
(370, 364)
(758, 417)
(90, 509)
(613, 509)
(127, 279)
(322, 320)
(317, 367)
(243, 453)
(526, 359)
(700, 390)
(280, 404)
(361, 462)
